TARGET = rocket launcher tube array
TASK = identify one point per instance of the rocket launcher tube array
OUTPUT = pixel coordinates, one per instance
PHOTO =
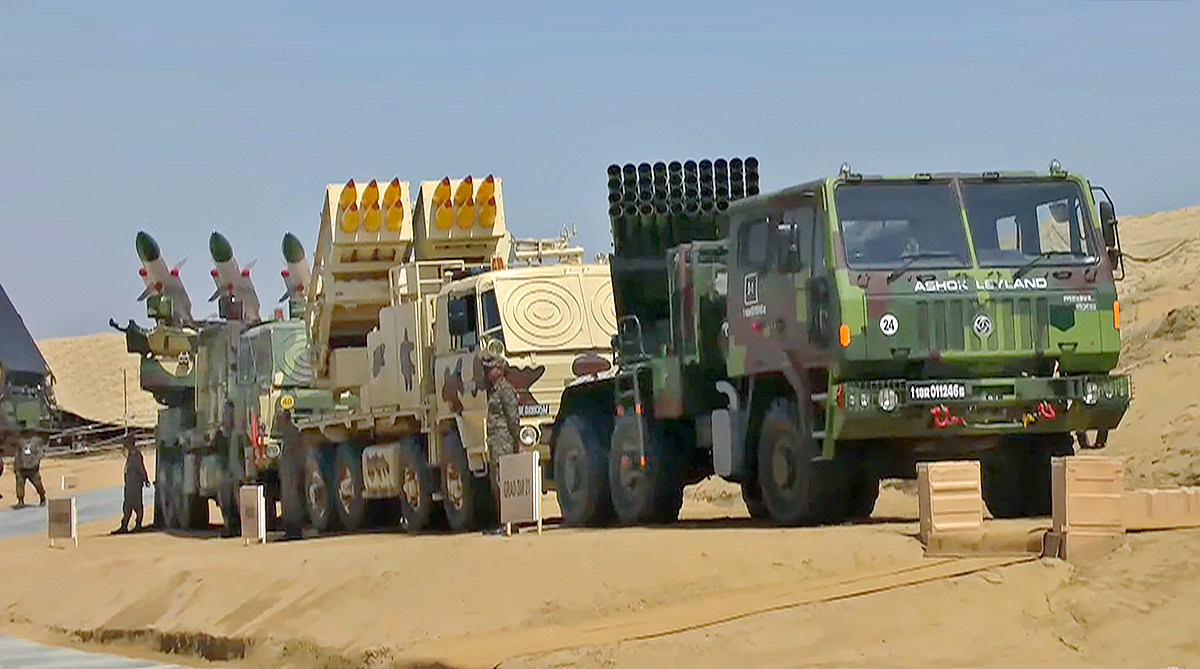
(652, 206)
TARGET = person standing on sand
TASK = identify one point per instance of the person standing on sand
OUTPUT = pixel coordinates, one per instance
(25, 468)
(135, 479)
(503, 426)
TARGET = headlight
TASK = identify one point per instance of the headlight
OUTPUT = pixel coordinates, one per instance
(1091, 393)
(888, 399)
(287, 402)
(529, 435)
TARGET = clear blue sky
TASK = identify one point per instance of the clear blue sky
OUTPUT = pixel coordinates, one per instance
(184, 118)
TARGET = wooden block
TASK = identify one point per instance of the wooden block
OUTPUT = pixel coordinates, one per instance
(1081, 545)
(1087, 493)
(1161, 509)
(950, 497)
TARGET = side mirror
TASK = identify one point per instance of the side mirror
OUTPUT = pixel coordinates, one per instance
(1108, 223)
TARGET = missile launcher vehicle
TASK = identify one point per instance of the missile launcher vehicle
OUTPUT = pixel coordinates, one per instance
(807, 342)
(219, 384)
(404, 302)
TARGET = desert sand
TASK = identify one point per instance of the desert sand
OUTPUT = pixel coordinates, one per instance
(383, 600)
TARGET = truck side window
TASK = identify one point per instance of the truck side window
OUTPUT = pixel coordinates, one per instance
(491, 315)
(754, 245)
(796, 236)
(464, 328)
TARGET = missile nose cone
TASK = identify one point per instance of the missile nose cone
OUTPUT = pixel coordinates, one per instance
(219, 248)
(293, 250)
(147, 248)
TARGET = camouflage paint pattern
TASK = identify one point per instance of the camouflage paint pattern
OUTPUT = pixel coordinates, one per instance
(922, 325)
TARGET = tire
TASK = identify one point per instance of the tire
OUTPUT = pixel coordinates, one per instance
(581, 474)
(227, 500)
(467, 499)
(348, 486)
(1043, 447)
(796, 489)
(861, 494)
(652, 494)
(1005, 477)
(172, 494)
(291, 493)
(752, 496)
(319, 490)
(195, 512)
(417, 483)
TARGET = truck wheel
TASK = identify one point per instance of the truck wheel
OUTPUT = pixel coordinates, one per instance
(319, 490)
(581, 474)
(863, 491)
(1043, 447)
(417, 483)
(350, 503)
(1003, 470)
(649, 494)
(467, 497)
(752, 496)
(227, 500)
(195, 512)
(291, 495)
(795, 489)
(177, 509)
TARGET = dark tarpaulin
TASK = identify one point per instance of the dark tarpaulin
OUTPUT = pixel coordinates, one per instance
(18, 352)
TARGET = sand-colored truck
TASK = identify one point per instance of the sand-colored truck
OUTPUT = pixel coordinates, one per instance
(405, 299)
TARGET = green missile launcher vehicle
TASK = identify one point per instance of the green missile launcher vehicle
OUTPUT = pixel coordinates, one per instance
(808, 342)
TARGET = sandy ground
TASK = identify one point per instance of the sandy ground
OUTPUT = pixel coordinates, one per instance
(92, 472)
(374, 600)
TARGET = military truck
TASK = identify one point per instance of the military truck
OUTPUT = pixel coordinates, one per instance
(219, 383)
(405, 300)
(27, 408)
(807, 342)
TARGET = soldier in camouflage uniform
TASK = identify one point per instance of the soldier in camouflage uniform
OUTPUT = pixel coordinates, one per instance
(502, 424)
(25, 468)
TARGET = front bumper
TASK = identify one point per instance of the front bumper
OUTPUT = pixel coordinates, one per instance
(899, 408)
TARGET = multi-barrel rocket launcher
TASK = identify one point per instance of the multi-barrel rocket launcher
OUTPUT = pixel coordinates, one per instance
(654, 207)
(366, 230)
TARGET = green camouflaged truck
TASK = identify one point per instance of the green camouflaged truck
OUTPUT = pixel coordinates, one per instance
(808, 342)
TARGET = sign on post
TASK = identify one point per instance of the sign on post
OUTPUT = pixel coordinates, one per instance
(69, 482)
(61, 519)
(521, 490)
(254, 514)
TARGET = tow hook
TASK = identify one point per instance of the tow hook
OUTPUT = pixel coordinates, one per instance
(1047, 410)
(942, 418)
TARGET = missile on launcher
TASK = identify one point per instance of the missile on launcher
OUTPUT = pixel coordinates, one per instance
(232, 281)
(161, 280)
(296, 274)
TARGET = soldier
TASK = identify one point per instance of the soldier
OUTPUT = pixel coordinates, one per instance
(502, 424)
(135, 479)
(25, 468)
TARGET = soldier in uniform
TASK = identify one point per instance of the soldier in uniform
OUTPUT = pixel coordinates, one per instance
(135, 479)
(502, 424)
(26, 467)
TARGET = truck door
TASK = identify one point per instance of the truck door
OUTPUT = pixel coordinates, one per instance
(460, 381)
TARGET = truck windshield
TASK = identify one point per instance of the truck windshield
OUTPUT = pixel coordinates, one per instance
(1013, 223)
(889, 224)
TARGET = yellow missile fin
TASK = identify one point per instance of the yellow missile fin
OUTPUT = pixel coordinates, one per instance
(349, 196)
(487, 212)
(444, 217)
(465, 191)
(442, 192)
(393, 208)
(466, 214)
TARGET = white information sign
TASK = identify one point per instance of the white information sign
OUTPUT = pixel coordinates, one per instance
(521, 489)
(62, 519)
(254, 514)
